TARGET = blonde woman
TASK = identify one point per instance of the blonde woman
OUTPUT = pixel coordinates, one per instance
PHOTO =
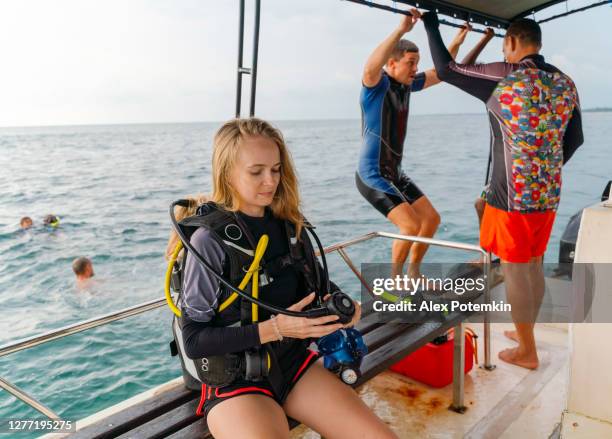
(255, 192)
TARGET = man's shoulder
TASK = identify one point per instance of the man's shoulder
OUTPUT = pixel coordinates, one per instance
(383, 83)
(560, 77)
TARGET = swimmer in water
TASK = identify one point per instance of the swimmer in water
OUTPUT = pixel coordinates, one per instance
(26, 222)
(83, 270)
(51, 221)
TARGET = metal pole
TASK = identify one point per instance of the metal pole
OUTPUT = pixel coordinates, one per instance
(458, 370)
(573, 11)
(20, 394)
(482, 18)
(255, 55)
(240, 50)
(487, 318)
(430, 241)
(350, 264)
(335, 247)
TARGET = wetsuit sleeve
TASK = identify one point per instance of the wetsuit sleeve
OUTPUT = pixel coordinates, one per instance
(573, 136)
(418, 82)
(200, 287)
(202, 340)
(200, 301)
(371, 93)
(479, 80)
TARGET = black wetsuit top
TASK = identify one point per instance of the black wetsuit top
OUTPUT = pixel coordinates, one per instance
(207, 331)
(535, 120)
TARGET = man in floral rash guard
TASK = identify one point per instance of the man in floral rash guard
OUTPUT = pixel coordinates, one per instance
(535, 121)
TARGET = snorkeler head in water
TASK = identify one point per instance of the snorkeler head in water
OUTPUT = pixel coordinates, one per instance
(25, 222)
(51, 221)
(83, 268)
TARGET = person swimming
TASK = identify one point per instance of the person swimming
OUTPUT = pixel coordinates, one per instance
(51, 221)
(83, 270)
(26, 223)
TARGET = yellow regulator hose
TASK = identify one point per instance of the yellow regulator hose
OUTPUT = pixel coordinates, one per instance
(259, 252)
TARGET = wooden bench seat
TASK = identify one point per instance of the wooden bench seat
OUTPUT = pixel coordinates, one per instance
(172, 414)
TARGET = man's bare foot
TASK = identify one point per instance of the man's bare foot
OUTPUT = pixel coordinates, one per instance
(513, 356)
(511, 335)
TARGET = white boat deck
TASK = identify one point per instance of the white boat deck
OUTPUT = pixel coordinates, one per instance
(508, 402)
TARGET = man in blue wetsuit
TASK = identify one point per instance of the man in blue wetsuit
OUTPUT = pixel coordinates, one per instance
(385, 98)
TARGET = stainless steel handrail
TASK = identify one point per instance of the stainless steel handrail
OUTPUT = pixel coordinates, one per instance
(55, 334)
(339, 247)
(95, 322)
(487, 275)
(18, 393)
(29, 342)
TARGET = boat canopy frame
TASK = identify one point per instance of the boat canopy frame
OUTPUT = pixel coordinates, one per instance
(448, 8)
(242, 70)
(461, 12)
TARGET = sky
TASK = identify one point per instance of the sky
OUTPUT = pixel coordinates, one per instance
(151, 61)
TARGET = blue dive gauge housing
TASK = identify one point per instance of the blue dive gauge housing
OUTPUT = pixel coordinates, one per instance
(342, 353)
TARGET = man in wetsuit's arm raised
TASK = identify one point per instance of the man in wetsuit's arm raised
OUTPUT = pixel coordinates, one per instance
(385, 98)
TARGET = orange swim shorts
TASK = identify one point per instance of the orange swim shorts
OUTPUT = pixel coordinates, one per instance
(515, 236)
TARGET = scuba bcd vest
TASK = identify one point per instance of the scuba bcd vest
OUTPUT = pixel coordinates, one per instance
(234, 237)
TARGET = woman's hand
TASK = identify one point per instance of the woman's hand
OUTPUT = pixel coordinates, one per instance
(302, 327)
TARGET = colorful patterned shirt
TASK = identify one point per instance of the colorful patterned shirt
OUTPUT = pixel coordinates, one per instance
(535, 120)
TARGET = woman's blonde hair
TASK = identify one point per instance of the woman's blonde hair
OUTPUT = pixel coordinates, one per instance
(181, 212)
(286, 202)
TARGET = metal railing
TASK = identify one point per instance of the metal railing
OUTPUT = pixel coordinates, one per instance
(435, 242)
(65, 331)
(30, 342)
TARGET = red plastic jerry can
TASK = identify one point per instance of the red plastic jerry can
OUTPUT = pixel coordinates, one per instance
(433, 363)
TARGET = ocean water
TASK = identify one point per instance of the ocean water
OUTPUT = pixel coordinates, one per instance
(112, 185)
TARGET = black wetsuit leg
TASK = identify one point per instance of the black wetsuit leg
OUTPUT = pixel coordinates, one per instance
(406, 192)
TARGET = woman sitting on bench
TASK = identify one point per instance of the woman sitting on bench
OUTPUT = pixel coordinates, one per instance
(255, 192)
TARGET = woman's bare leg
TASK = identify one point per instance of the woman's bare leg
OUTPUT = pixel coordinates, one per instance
(252, 416)
(331, 408)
